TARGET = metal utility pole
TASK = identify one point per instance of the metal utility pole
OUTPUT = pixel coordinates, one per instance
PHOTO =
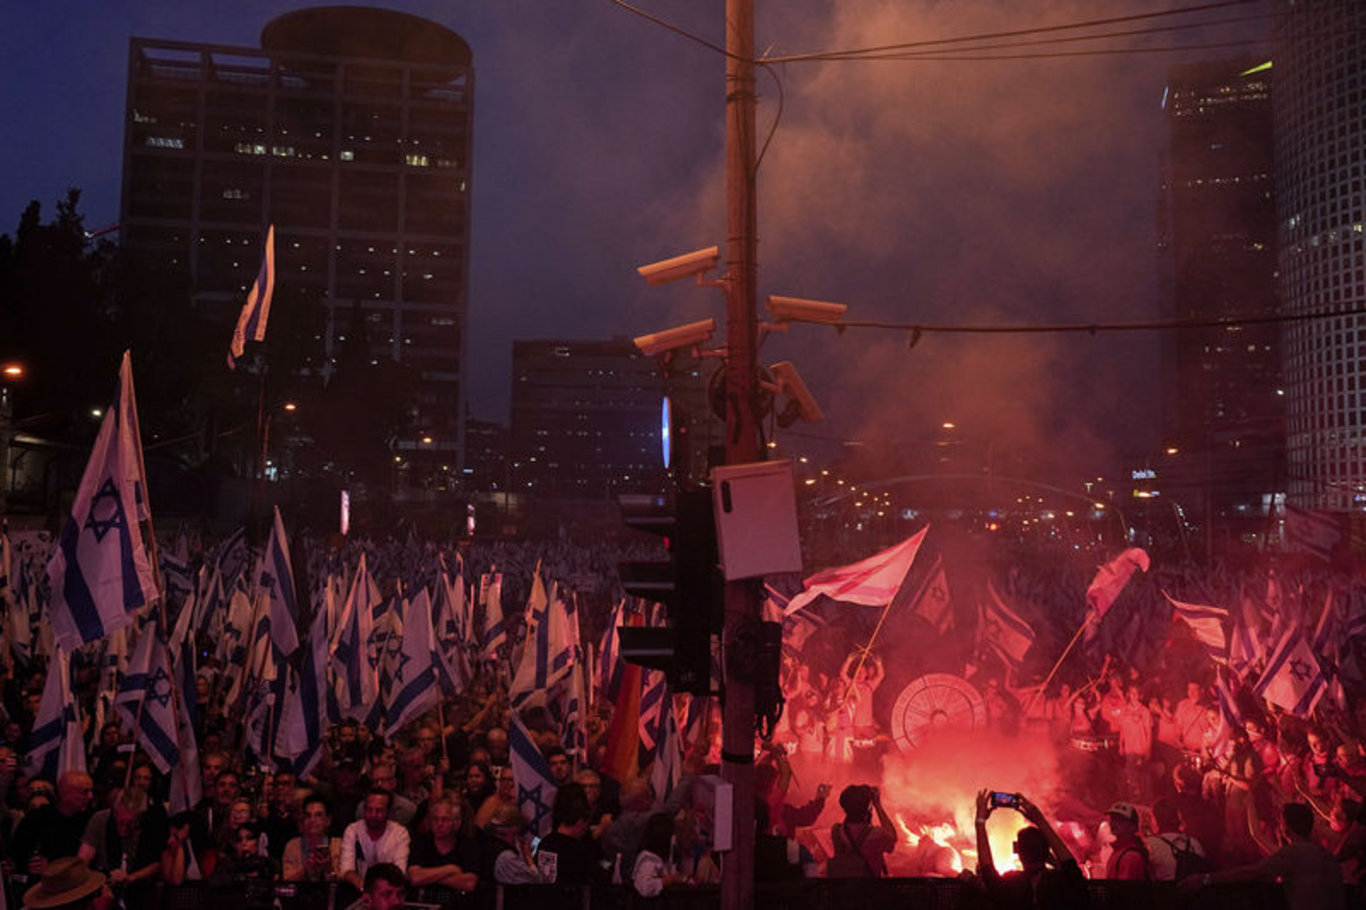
(740, 634)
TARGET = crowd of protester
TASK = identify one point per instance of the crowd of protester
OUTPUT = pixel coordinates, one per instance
(436, 805)
(1192, 799)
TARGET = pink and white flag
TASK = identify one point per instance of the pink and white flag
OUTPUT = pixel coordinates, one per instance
(872, 582)
(1111, 578)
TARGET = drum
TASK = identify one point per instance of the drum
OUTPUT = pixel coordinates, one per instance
(1094, 743)
(932, 702)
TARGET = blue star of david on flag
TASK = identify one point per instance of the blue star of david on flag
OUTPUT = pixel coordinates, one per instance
(403, 659)
(531, 796)
(159, 687)
(107, 501)
(535, 787)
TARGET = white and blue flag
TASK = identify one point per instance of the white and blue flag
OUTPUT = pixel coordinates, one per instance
(251, 322)
(495, 622)
(1206, 624)
(356, 678)
(535, 787)
(450, 619)
(276, 581)
(186, 785)
(422, 673)
(548, 653)
(55, 745)
(100, 573)
(303, 720)
(146, 700)
(1293, 678)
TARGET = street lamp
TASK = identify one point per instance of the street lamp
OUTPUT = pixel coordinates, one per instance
(10, 372)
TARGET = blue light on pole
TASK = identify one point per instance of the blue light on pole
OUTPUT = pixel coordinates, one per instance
(666, 430)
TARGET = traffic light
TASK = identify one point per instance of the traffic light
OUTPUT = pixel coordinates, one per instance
(688, 584)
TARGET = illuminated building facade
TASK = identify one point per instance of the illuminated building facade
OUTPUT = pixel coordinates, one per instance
(350, 131)
(585, 420)
(1320, 98)
(1223, 400)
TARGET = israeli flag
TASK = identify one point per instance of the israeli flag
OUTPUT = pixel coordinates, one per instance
(251, 322)
(146, 700)
(422, 672)
(357, 680)
(276, 581)
(1293, 678)
(100, 572)
(535, 787)
(56, 744)
(495, 623)
(303, 718)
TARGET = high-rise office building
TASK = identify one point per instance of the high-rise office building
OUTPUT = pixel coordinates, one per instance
(585, 420)
(1222, 396)
(1320, 118)
(349, 129)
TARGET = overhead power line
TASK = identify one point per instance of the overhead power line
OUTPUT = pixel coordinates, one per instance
(927, 49)
(966, 55)
(1014, 33)
(1071, 39)
(917, 329)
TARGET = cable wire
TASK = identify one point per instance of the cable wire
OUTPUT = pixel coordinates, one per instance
(676, 29)
(1038, 30)
(1067, 39)
(918, 329)
(953, 57)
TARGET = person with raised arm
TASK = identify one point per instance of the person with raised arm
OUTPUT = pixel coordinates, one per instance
(1049, 875)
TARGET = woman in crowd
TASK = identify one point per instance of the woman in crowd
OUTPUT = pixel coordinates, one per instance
(504, 794)
(312, 856)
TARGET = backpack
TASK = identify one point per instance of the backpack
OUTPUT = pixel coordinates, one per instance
(1188, 862)
(853, 864)
(1142, 851)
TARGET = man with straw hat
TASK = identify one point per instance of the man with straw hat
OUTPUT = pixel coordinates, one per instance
(67, 883)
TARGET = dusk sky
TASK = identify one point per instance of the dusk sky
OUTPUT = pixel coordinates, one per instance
(962, 191)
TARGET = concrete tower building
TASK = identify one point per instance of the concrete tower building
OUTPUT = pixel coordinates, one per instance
(349, 129)
(1320, 119)
(585, 420)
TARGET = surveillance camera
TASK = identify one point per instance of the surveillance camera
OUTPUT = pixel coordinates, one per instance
(794, 309)
(800, 404)
(680, 266)
(684, 336)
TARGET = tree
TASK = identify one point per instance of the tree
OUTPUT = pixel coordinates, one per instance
(57, 315)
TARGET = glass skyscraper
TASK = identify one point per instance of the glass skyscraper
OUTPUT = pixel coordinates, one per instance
(1320, 118)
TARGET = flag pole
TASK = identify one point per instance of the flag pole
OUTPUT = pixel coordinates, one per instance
(1066, 651)
(867, 649)
(137, 718)
(153, 552)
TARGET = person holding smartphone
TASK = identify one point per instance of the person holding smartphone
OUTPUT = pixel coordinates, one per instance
(312, 856)
(1049, 876)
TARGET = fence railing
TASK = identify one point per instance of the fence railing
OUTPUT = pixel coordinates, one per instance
(810, 894)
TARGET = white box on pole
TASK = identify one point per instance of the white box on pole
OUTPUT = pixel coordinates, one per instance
(756, 519)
